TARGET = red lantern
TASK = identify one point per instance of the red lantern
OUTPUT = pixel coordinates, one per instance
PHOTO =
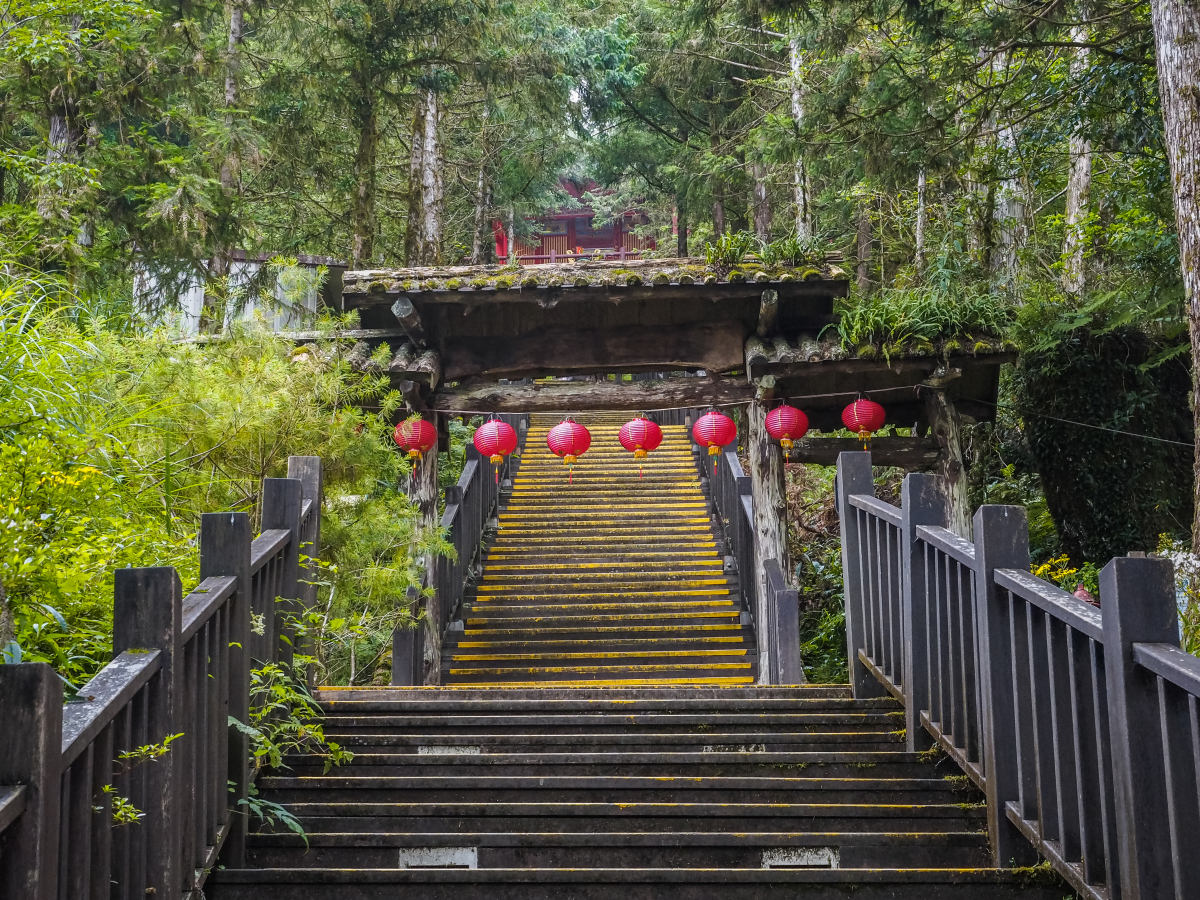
(864, 417)
(570, 440)
(416, 436)
(714, 430)
(787, 424)
(640, 436)
(495, 439)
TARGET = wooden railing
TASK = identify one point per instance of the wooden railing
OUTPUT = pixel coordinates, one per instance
(1081, 725)
(134, 788)
(766, 595)
(469, 505)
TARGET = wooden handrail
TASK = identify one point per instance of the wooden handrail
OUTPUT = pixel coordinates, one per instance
(1079, 723)
(181, 668)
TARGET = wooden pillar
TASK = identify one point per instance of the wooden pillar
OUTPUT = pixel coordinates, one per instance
(946, 426)
(425, 495)
(30, 755)
(148, 615)
(225, 550)
(1139, 607)
(770, 519)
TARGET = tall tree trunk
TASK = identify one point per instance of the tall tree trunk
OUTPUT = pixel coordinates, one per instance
(432, 184)
(483, 196)
(718, 212)
(762, 202)
(367, 116)
(863, 274)
(513, 255)
(1010, 210)
(681, 222)
(481, 207)
(1177, 38)
(922, 224)
(212, 316)
(412, 228)
(800, 194)
(1079, 182)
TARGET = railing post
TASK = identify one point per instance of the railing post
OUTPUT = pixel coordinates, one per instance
(225, 550)
(1001, 542)
(785, 626)
(408, 646)
(307, 470)
(147, 615)
(854, 477)
(921, 503)
(31, 700)
(1138, 597)
(281, 509)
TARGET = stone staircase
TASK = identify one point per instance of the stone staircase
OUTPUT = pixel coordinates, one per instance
(638, 793)
(606, 577)
(600, 736)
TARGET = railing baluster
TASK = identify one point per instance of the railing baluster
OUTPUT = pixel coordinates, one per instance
(1061, 699)
(1043, 750)
(1183, 815)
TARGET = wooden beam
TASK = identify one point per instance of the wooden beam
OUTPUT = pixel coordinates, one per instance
(712, 346)
(579, 396)
(911, 454)
(406, 314)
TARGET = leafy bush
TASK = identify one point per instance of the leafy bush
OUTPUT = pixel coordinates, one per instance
(114, 441)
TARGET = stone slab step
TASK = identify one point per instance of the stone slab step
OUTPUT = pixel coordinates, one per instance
(466, 818)
(730, 699)
(343, 787)
(624, 850)
(634, 884)
(824, 763)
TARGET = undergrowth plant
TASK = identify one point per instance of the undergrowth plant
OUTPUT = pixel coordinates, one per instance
(114, 440)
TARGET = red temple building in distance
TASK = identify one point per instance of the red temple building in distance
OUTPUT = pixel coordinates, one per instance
(568, 234)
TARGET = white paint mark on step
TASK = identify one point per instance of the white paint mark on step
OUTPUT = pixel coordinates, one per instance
(734, 748)
(439, 858)
(447, 750)
(801, 858)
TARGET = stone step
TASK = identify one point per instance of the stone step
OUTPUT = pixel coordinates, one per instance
(467, 818)
(402, 699)
(622, 850)
(342, 787)
(377, 738)
(513, 759)
(634, 884)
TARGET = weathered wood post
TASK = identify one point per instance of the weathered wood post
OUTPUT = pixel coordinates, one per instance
(408, 645)
(308, 471)
(225, 550)
(425, 495)
(31, 699)
(1138, 597)
(854, 477)
(1001, 542)
(147, 615)
(921, 503)
(770, 510)
(281, 509)
(946, 426)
